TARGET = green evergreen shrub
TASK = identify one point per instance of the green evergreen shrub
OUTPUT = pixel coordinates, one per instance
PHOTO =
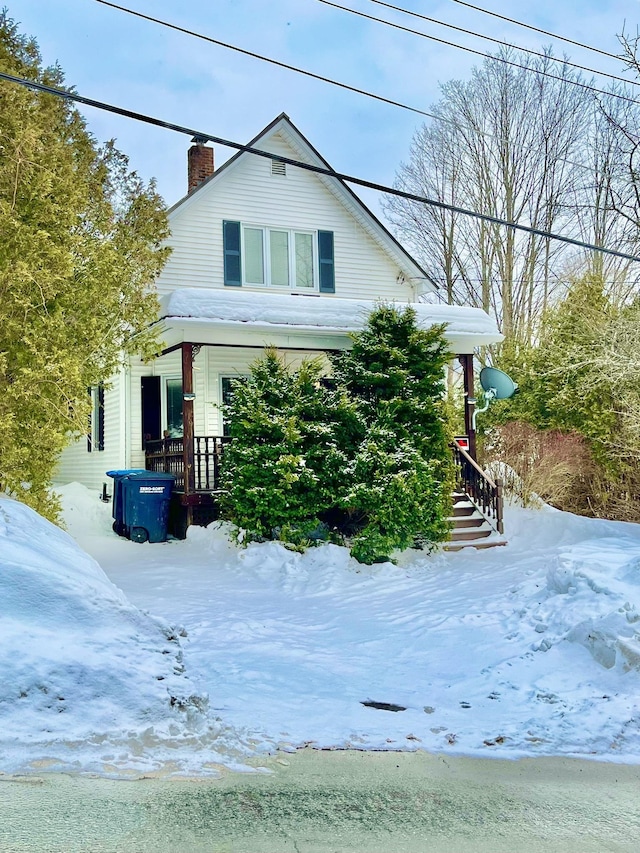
(401, 477)
(366, 460)
(281, 468)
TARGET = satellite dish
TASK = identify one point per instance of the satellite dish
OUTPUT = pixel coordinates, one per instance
(496, 386)
(496, 383)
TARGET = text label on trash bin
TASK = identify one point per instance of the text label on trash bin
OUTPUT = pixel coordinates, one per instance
(151, 490)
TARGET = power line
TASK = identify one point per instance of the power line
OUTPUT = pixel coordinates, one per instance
(490, 56)
(203, 37)
(344, 85)
(500, 42)
(320, 170)
(265, 58)
(536, 29)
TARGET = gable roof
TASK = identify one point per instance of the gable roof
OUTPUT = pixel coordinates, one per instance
(283, 125)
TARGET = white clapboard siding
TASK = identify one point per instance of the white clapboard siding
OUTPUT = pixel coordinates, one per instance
(247, 191)
(78, 465)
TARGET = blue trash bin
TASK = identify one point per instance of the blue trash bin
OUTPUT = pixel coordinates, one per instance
(146, 496)
(117, 505)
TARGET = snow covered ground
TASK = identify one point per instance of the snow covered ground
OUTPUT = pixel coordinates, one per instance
(529, 649)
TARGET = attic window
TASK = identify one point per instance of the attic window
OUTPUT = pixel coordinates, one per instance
(278, 168)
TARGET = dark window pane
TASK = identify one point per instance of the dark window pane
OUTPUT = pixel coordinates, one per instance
(174, 408)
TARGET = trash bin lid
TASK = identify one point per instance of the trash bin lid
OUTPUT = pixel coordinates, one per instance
(126, 471)
(149, 475)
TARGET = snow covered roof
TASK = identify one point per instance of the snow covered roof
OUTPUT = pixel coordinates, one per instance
(308, 321)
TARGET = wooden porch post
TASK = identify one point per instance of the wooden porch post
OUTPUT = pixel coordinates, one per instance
(187, 420)
(466, 361)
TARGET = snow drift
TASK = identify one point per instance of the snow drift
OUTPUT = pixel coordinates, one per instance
(76, 658)
(530, 649)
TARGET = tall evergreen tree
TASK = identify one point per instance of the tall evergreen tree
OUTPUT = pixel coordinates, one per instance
(80, 245)
(558, 386)
(283, 468)
(581, 377)
(365, 459)
(400, 476)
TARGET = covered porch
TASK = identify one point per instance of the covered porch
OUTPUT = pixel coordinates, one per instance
(193, 320)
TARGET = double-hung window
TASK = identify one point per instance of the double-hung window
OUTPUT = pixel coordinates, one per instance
(260, 256)
(274, 257)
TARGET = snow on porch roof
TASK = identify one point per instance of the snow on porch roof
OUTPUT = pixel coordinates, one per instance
(199, 315)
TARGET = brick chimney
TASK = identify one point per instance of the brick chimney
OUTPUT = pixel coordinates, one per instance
(199, 165)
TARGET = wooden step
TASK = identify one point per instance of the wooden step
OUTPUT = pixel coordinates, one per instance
(463, 509)
(465, 535)
(467, 521)
(470, 529)
(480, 545)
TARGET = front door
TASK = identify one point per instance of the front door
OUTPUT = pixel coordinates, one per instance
(161, 400)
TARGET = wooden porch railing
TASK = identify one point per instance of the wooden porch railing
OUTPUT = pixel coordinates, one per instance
(167, 456)
(485, 493)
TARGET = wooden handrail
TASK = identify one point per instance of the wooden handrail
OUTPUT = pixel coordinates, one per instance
(475, 465)
(482, 491)
(168, 455)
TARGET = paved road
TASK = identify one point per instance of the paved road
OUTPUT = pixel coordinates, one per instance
(335, 802)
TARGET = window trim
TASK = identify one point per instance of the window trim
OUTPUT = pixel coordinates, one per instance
(164, 402)
(266, 257)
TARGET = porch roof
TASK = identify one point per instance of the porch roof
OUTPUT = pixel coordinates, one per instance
(299, 320)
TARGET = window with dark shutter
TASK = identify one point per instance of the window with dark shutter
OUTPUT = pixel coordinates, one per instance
(95, 432)
(262, 256)
(99, 434)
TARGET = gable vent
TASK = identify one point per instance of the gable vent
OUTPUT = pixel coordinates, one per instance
(278, 168)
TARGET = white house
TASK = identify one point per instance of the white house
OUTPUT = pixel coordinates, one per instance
(264, 254)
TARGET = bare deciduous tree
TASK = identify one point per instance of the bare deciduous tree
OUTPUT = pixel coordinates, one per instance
(532, 149)
(605, 199)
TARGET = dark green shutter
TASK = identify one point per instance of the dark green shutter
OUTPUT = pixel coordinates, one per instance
(100, 413)
(232, 263)
(325, 256)
(95, 432)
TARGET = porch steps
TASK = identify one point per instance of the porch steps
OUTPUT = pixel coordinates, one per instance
(470, 527)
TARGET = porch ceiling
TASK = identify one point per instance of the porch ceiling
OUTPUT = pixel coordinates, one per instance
(300, 321)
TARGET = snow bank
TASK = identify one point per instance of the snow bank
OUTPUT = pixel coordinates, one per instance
(489, 653)
(77, 660)
(592, 599)
(525, 650)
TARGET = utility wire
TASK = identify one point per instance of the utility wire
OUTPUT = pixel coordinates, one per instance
(265, 58)
(344, 85)
(490, 56)
(197, 35)
(536, 29)
(200, 136)
(500, 42)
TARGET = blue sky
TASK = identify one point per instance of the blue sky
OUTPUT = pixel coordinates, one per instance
(111, 56)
